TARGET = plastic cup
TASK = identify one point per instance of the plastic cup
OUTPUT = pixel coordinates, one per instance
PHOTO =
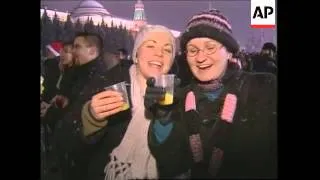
(166, 81)
(121, 88)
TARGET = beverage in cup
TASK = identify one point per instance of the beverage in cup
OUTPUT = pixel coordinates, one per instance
(121, 87)
(166, 81)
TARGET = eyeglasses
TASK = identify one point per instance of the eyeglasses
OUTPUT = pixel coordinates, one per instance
(209, 49)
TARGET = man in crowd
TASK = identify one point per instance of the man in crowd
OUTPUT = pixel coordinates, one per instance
(123, 54)
(87, 55)
(114, 57)
(266, 60)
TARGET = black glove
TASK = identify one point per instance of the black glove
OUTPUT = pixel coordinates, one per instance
(154, 95)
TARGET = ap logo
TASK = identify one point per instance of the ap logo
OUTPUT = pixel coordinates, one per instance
(263, 13)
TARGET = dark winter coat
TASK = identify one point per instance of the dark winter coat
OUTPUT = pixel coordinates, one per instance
(66, 88)
(70, 149)
(103, 138)
(246, 148)
(68, 77)
(263, 63)
(89, 155)
(51, 76)
(108, 136)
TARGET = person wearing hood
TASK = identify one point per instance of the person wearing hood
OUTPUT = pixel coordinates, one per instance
(224, 123)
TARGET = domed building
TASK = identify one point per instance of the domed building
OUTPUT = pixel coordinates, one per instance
(94, 10)
(89, 8)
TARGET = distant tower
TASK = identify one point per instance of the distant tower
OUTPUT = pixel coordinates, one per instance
(210, 4)
(139, 17)
(262, 39)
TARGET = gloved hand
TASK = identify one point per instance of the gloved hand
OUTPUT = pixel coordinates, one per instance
(154, 95)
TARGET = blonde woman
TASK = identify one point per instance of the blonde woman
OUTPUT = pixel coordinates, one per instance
(120, 137)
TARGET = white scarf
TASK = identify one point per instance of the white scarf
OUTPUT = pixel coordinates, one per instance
(132, 158)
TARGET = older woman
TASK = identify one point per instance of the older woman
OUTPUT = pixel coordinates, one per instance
(120, 136)
(225, 124)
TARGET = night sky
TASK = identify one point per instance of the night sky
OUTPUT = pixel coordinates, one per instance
(175, 14)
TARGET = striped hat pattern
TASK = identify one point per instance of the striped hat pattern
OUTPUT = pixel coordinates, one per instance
(212, 24)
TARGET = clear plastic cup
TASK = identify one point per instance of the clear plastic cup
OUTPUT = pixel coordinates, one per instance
(166, 81)
(121, 88)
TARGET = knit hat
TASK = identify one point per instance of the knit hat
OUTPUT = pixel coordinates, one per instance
(142, 35)
(269, 45)
(55, 47)
(211, 24)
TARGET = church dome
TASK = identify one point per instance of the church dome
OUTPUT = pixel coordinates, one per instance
(90, 4)
(89, 8)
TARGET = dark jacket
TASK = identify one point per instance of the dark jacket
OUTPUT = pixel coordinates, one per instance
(51, 76)
(89, 162)
(245, 148)
(71, 85)
(263, 63)
(109, 136)
(68, 145)
(68, 77)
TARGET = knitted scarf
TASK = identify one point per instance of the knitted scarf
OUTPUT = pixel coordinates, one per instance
(132, 158)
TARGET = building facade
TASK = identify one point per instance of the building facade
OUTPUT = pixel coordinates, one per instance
(94, 10)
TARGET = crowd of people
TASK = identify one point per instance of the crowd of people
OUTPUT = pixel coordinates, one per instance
(220, 123)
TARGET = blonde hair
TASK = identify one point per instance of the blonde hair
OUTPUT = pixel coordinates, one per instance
(141, 38)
